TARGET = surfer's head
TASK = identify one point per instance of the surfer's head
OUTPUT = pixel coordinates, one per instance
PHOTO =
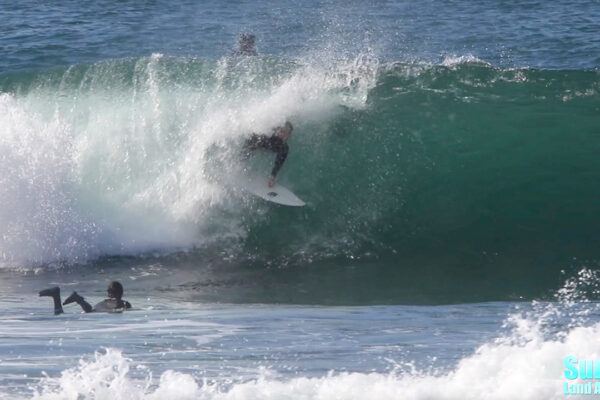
(285, 131)
(115, 290)
(246, 42)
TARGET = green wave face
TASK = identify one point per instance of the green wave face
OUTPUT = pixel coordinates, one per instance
(468, 155)
(460, 182)
(446, 182)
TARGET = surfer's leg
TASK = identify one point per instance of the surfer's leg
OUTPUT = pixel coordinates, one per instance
(74, 297)
(55, 294)
(244, 157)
(245, 154)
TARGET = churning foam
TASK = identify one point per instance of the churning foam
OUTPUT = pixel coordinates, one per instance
(127, 156)
(453, 60)
(523, 365)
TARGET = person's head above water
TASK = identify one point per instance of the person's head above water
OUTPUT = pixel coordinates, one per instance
(115, 290)
(246, 43)
(285, 131)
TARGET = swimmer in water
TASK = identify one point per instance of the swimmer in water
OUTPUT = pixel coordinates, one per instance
(114, 303)
(246, 47)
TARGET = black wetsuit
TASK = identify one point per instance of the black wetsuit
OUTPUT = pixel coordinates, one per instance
(109, 305)
(273, 143)
(106, 305)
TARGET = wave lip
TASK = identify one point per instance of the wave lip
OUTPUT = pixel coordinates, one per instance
(453, 60)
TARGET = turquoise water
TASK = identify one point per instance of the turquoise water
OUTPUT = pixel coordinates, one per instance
(446, 150)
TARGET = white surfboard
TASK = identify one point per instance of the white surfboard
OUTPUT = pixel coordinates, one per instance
(258, 185)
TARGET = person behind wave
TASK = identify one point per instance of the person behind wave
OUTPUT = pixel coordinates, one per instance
(114, 303)
(245, 45)
(277, 143)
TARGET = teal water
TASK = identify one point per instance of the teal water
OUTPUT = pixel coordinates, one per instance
(462, 170)
(446, 150)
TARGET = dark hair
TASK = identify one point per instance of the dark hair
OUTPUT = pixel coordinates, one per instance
(115, 290)
(289, 125)
(247, 38)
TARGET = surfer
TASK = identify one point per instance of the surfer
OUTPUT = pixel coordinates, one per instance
(277, 142)
(245, 45)
(114, 303)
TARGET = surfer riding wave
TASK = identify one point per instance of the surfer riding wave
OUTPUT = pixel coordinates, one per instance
(277, 143)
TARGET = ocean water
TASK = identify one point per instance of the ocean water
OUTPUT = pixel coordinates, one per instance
(447, 152)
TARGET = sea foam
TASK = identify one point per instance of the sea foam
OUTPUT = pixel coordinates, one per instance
(523, 365)
(124, 157)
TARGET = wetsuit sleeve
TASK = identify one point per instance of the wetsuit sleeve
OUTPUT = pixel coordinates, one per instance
(282, 153)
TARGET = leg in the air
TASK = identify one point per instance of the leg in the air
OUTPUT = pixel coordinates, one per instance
(55, 294)
(74, 297)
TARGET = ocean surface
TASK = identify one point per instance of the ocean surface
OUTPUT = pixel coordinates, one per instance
(448, 152)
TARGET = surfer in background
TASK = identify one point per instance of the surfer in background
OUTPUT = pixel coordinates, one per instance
(277, 142)
(114, 303)
(246, 45)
